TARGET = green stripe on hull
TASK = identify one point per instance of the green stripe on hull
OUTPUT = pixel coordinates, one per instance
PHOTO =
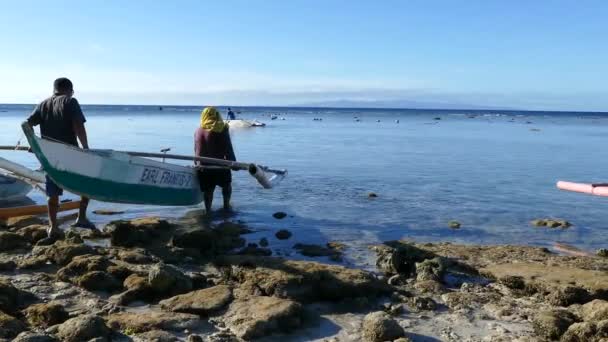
(107, 191)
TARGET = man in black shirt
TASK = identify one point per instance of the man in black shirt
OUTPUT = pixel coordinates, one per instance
(61, 119)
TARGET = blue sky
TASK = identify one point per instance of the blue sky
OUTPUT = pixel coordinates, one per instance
(521, 54)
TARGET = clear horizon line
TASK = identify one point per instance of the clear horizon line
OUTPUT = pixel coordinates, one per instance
(327, 107)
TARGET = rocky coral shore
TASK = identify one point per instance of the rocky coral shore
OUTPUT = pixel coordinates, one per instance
(152, 280)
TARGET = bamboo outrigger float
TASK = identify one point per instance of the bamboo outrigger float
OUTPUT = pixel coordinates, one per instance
(128, 177)
(35, 209)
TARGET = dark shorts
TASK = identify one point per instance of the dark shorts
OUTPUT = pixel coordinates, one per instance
(52, 189)
(210, 178)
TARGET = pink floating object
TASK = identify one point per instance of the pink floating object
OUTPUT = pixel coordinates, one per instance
(592, 189)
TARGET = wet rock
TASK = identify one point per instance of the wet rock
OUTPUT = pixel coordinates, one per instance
(137, 232)
(264, 242)
(98, 281)
(199, 281)
(134, 256)
(551, 223)
(46, 314)
(430, 269)
(372, 195)
(397, 280)
(137, 287)
(33, 262)
(397, 257)
(61, 253)
(82, 264)
(33, 233)
(430, 287)
(379, 327)
(424, 304)
(580, 332)
(311, 250)
(253, 249)
(10, 297)
(168, 280)
(83, 328)
(11, 241)
(201, 302)
(152, 320)
(24, 221)
(596, 310)
(279, 215)
(194, 338)
(155, 336)
(602, 252)
(119, 272)
(568, 295)
(71, 236)
(551, 324)
(513, 282)
(301, 280)
(28, 336)
(223, 238)
(232, 228)
(7, 266)
(261, 316)
(459, 300)
(283, 234)
(602, 329)
(10, 326)
(454, 224)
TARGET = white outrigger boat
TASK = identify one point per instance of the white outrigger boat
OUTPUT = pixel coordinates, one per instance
(238, 123)
(130, 177)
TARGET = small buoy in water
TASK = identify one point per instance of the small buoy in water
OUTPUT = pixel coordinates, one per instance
(454, 224)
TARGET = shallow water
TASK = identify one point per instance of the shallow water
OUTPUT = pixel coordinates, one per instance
(492, 172)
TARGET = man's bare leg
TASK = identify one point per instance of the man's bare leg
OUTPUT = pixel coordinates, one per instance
(53, 208)
(208, 197)
(82, 221)
(227, 194)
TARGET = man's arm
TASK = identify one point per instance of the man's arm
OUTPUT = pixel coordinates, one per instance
(78, 121)
(35, 118)
(81, 133)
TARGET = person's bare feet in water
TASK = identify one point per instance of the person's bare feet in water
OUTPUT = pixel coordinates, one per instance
(53, 234)
(84, 223)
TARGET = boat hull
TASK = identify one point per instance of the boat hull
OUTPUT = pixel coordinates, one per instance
(111, 176)
(12, 189)
(244, 124)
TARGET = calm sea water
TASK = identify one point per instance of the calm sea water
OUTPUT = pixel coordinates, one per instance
(493, 171)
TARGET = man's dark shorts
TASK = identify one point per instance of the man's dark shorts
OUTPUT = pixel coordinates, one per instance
(52, 189)
(210, 178)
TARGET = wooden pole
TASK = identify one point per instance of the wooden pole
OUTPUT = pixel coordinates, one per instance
(204, 160)
(14, 148)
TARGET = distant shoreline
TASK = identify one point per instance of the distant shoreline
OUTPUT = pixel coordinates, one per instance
(4, 106)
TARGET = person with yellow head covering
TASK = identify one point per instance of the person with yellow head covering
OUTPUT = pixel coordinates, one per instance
(212, 140)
